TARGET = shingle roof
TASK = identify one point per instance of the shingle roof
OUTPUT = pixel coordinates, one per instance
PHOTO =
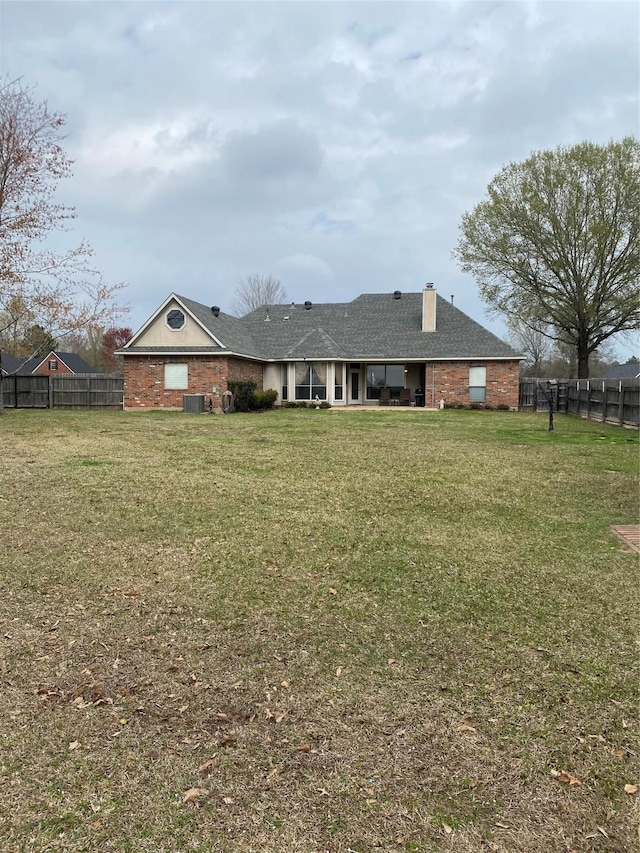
(10, 364)
(372, 326)
(623, 371)
(74, 362)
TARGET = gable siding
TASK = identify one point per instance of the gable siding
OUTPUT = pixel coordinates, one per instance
(158, 334)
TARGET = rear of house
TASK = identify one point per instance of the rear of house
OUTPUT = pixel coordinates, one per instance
(395, 348)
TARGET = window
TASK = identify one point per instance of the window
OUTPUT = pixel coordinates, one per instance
(53, 364)
(338, 381)
(477, 384)
(384, 376)
(285, 382)
(176, 376)
(175, 319)
(311, 380)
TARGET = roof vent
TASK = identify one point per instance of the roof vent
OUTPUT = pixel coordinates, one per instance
(267, 319)
(286, 317)
(452, 298)
(397, 294)
(215, 310)
(307, 305)
(429, 285)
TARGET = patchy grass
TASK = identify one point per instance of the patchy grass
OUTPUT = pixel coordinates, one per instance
(370, 631)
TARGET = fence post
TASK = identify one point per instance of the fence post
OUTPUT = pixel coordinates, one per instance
(588, 400)
(620, 403)
(50, 394)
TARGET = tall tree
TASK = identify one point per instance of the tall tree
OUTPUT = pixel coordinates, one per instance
(61, 289)
(37, 341)
(113, 339)
(255, 290)
(557, 241)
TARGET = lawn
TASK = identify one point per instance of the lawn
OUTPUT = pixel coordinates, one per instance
(317, 631)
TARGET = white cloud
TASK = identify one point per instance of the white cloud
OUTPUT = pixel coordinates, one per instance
(334, 144)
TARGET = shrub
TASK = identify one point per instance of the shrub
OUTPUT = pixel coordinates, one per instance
(243, 394)
(325, 405)
(502, 407)
(264, 399)
(291, 404)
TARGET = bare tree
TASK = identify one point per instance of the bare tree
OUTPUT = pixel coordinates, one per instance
(61, 290)
(255, 290)
(532, 341)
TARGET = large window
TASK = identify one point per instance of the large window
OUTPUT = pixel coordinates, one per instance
(381, 376)
(477, 384)
(311, 380)
(176, 377)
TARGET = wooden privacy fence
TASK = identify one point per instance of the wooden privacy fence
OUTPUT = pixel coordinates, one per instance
(615, 401)
(66, 391)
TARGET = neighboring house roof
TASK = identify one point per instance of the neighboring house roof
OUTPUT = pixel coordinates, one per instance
(10, 364)
(372, 326)
(630, 370)
(72, 360)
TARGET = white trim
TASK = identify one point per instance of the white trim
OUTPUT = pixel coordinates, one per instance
(158, 312)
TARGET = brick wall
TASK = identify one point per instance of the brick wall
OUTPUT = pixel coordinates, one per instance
(44, 370)
(452, 381)
(241, 370)
(144, 379)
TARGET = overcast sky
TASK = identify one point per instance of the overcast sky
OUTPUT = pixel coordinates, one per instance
(333, 145)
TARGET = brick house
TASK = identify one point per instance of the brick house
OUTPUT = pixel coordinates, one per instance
(404, 348)
(52, 364)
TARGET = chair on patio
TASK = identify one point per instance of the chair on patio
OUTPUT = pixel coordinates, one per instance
(405, 396)
(385, 396)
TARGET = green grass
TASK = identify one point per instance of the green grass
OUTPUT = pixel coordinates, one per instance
(387, 630)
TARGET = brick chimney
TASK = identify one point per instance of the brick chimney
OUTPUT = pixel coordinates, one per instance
(429, 308)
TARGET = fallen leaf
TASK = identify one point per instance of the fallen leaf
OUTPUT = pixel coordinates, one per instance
(602, 832)
(501, 825)
(333, 591)
(74, 745)
(465, 728)
(631, 789)
(447, 828)
(339, 671)
(194, 794)
(228, 800)
(565, 776)
(304, 747)
(208, 765)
